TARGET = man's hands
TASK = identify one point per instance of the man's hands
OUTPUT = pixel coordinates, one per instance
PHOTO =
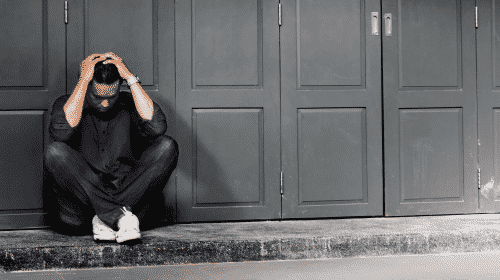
(88, 65)
(122, 69)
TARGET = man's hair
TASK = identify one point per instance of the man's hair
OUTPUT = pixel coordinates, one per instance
(106, 73)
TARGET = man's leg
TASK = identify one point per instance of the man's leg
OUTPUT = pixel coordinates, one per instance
(147, 181)
(80, 193)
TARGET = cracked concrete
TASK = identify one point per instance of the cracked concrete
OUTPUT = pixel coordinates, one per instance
(262, 240)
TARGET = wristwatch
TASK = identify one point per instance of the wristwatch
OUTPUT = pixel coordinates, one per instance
(133, 80)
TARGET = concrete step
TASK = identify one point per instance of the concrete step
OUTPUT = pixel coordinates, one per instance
(42, 249)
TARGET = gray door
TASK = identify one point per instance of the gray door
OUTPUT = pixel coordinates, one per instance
(488, 87)
(430, 121)
(228, 109)
(141, 33)
(331, 121)
(32, 75)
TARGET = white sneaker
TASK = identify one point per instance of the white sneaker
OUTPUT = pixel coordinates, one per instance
(128, 227)
(102, 231)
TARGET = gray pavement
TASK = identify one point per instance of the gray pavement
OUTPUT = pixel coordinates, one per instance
(473, 265)
(178, 244)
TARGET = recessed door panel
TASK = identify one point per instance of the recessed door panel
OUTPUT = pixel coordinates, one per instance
(22, 43)
(430, 43)
(21, 159)
(234, 137)
(330, 52)
(331, 149)
(226, 48)
(431, 154)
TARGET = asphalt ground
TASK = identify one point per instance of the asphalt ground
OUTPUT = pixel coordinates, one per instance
(472, 265)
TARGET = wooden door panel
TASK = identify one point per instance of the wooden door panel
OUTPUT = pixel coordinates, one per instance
(430, 48)
(23, 54)
(430, 108)
(21, 155)
(228, 108)
(330, 109)
(235, 138)
(488, 87)
(431, 156)
(31, 77)
(227, 49)
(332, 148)
(330, 42)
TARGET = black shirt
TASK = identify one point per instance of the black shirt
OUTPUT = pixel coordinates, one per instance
(110, 142)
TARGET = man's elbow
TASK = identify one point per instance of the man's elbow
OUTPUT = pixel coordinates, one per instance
(161, 129)
(59, 137)
(59, 134)
(158, 129)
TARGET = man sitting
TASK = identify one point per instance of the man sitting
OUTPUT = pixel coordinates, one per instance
(109, 156)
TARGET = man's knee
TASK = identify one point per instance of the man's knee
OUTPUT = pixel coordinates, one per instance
(56, 153)
(163, 147)
(167, 146)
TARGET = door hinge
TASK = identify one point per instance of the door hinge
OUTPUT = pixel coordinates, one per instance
(279, 14)
(477, 25)
(281, 184)
(65, 11)
(479, 178)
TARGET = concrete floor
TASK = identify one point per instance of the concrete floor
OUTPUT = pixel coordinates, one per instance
(254, 241)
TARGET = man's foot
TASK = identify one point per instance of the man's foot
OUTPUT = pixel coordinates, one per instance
(128, 226)
(102, 231)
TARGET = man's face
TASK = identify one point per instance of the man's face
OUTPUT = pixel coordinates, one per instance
(103, 96)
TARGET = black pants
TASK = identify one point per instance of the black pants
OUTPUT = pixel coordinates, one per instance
(80, 192)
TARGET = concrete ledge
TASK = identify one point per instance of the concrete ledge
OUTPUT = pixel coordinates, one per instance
(41, 249)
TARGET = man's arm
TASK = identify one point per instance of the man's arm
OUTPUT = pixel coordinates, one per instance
(74, 106)
(152, 121)
(154, 127)
(59, 128)
(143, 103)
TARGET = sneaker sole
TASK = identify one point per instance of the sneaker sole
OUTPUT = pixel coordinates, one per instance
(105, 237)
(127, 236)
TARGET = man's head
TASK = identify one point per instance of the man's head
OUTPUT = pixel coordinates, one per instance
(105, 86)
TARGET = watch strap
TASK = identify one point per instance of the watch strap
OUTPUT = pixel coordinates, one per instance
(132, 81)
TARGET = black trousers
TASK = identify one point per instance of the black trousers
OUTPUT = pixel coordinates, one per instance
(80, 191)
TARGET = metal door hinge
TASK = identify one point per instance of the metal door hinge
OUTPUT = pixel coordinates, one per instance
(65, 11)
(281, 184)
(479, 178)
(477, 25)
(279, 14)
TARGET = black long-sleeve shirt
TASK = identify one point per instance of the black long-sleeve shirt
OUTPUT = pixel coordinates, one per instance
(112, 141)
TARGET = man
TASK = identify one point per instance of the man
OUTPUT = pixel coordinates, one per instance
(109, 156)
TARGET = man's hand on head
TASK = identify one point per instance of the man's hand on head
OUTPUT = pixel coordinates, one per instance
(88, 66)
(120, 64)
